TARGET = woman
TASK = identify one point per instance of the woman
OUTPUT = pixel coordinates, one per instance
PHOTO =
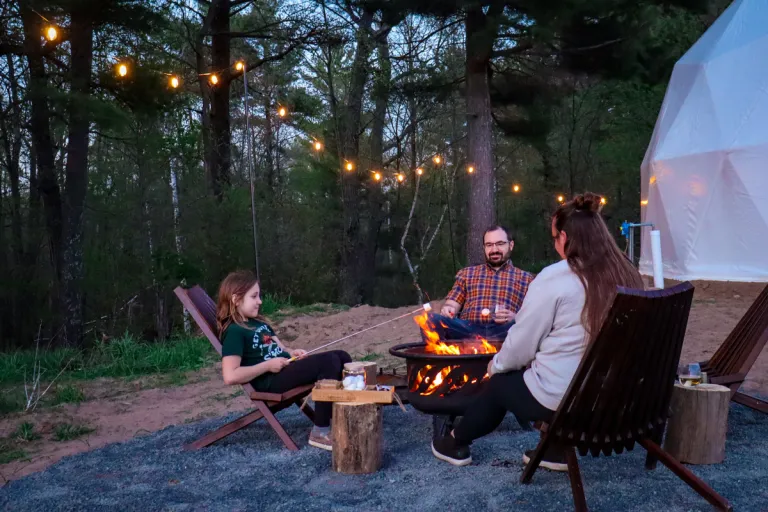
(562, 313)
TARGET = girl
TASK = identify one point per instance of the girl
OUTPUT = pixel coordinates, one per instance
(251, 352)
(562, 312)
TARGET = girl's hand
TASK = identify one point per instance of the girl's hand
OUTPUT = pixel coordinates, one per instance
(297, 352)
(490, 368)
(276, 364)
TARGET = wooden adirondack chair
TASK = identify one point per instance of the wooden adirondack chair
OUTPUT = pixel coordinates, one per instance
(621, 392)
(203, 310)
(731, 363)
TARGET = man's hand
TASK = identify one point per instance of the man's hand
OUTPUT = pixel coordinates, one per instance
(276, 364)
(490, 368)
(448, 310)
(297, 352)
(503, 316)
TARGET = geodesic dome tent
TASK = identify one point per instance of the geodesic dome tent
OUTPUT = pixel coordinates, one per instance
(705, 173)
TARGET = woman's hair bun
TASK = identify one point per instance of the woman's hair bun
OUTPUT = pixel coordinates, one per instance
(587, 202)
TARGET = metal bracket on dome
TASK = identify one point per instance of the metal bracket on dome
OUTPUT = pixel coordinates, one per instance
(628, 232)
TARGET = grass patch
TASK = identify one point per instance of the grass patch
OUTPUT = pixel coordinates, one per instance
(11, 400)
(311, 309)
(9, 453)
(126, 357)
(119, 357)
(271, 304)
(26, 432)
(371, 356)
(67, 431)
(68, 394)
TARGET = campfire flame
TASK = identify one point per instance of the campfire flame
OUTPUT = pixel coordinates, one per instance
(435, 345)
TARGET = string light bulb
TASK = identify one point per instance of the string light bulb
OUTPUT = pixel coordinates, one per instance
(174, 82)
(377, 176)
(515, 188)
(122, 70)
(470, 169)
(51, 33)
(239, 65)
(318, 145)
(282, 112)
(560, 199)
(350, 166)
(419, 171)
(644, 202)
(214, 79)
(437, 159)
(400, 178)
(603, 200)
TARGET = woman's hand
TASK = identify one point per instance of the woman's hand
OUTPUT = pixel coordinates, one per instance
(276, 364)
(297, 352)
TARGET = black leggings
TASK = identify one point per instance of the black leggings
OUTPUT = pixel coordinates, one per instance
(310, 369)
(503, 392)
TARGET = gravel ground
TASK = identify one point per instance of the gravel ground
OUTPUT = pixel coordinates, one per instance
(252, 471)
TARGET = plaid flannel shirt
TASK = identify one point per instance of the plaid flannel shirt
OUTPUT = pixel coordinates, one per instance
(481, 286)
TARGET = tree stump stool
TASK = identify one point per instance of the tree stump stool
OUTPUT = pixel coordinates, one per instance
(699, 422)
(357, 437)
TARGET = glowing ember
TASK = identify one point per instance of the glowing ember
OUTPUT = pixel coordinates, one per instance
(442, 381)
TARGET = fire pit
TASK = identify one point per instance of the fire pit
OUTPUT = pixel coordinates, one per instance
(444, 377)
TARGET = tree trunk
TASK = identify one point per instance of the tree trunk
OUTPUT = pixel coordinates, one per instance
(269, 140)
(12, 145)
(174, 185)
(480, 34)
(47, 182)
(349, 146)
(219, 157)
(357, 431)
(81, 44)
(375, 212)
(699, 423)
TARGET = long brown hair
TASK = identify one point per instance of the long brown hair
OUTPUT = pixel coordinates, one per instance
(594, 257)
(233, 288)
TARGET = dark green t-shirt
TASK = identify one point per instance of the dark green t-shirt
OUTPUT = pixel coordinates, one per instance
(254, 345)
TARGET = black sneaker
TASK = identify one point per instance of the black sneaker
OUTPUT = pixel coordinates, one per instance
(445, 448)
(554, 459)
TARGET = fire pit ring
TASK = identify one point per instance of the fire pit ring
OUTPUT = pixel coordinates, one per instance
(445, 384)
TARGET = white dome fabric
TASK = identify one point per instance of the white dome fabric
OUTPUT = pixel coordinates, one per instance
(705, 173)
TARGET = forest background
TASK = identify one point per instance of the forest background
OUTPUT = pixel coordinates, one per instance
(384, 137)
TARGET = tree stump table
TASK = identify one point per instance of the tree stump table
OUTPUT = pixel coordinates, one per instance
(357, 437)
(699, 422)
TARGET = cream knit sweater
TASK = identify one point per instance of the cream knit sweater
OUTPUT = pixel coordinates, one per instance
(548, 334)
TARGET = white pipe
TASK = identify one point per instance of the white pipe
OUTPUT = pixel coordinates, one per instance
(658, 268)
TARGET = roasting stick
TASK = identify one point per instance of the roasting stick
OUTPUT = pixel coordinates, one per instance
(426, 307)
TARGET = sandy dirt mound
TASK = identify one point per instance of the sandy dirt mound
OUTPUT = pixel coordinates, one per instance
(133, 412)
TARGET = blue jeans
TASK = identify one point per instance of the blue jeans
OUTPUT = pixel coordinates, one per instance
(456, 329)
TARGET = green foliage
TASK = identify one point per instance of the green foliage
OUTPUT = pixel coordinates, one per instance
(26, 432)
(559, 133)
(9, 453)
(68, 431)
(11, 400)
(120, 357)
(68, 394)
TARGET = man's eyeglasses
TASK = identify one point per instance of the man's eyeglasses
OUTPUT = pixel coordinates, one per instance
(497, 244)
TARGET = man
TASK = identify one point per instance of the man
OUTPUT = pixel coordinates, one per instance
(484, 298)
